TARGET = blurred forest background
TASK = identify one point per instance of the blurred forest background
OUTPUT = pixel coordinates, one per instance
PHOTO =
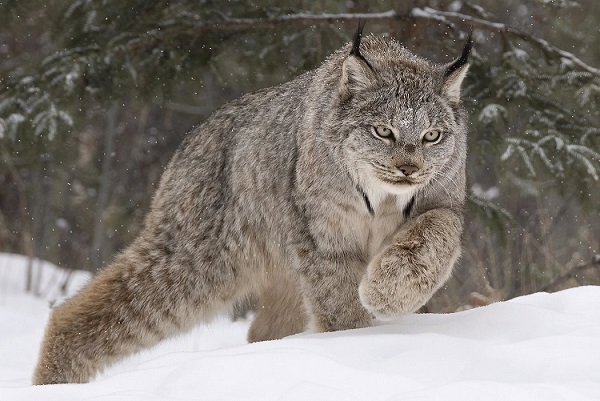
(95, 95)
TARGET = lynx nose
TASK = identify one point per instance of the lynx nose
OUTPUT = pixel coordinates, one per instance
(408, 169)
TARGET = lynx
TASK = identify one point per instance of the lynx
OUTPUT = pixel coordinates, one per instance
(334, 199)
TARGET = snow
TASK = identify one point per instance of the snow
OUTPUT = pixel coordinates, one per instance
(536, 347)
(492, 113)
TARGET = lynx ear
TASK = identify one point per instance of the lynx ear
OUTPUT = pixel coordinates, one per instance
(455, 73)
(357, 73)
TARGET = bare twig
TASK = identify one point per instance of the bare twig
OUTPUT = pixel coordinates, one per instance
(227, 23)
(242, 24)
(594, 263)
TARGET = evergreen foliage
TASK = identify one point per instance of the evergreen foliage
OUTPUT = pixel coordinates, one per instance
(162, 66)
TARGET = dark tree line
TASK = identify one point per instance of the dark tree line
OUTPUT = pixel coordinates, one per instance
(96, 95)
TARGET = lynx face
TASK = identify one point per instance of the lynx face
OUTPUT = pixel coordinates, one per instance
(401, 143)
(402, 118)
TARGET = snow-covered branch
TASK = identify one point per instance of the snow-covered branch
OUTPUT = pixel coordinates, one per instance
(228, 23)
(474, 22)
(446, 17)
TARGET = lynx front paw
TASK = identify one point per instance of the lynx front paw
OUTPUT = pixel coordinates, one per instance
(399, 281)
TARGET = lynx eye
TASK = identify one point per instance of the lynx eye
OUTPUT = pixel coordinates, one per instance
(383, 132)
(432, 136)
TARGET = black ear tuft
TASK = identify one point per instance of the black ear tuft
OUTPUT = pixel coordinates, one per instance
(356, 41)
(464, 57)
(356, 44)
(357, 72)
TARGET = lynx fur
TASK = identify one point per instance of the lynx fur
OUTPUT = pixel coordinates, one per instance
(333, 198)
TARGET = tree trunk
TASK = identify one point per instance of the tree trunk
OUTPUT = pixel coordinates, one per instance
(26, 231)
(104, 189)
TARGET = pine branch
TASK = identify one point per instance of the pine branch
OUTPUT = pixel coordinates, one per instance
(172, 28)
(505, 30)
(446, 17)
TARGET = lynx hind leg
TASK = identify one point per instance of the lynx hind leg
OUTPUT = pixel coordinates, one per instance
(279, 311)
(132, 304)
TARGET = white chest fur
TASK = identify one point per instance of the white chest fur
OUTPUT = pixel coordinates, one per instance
(384, 223)
(365, 232)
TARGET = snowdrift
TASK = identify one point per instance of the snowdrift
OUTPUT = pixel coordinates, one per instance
(537, 347)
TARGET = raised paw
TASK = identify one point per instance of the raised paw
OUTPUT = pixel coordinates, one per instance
(400, 280)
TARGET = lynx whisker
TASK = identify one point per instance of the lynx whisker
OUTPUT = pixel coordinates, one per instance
(434, 177)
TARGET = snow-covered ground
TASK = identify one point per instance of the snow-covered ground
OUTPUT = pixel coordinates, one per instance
(538, 347)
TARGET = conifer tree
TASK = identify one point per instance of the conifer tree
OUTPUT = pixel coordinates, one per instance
(533, 102)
